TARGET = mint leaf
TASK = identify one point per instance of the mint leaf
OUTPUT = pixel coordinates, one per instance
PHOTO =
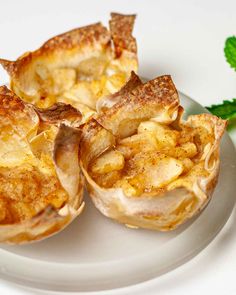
(230, 51)
(226, 110)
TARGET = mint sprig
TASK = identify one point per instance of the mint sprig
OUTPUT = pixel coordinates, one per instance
(230, 51)
(226, 110)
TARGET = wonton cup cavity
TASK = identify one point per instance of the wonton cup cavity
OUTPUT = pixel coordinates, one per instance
(39, 193)
(77, 67)
(144, 165)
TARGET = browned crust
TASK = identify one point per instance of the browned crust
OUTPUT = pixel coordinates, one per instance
(77, 38)
(67, 139)
(66, 159)
(58, 113)
(121, 27)
(108, 101)
(30, 73)
(86, 35)
(9, 66)
(13, 107)
(145, 101)
(133, 82)
(55, 114)
(160, 90)
(51, 219)
(9, 101)
(93, 133)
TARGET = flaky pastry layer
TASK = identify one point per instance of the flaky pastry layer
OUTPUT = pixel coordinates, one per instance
(39, 193)
(78, 67)
(144, 165)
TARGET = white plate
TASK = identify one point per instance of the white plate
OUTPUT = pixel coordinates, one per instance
(95, 253)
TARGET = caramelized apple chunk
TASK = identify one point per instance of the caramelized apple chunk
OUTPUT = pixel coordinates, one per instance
(109, 161)
(151, 170)
(148, 160)
(139, 142)
(164, 135)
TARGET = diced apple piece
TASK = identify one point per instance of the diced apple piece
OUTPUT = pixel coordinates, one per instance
(135, 144)
(148, 126)
(129, 190)
(164, 135)
(165, 171)
(186, 150)
(152, 170)
(107, 180)
(107, 162)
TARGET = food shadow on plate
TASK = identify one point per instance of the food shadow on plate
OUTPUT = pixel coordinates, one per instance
(91, 238)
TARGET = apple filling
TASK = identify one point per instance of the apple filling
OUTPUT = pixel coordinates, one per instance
(78, 67)
(148, 161)
(84, 85)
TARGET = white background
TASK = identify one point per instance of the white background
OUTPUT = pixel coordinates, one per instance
(181, 38)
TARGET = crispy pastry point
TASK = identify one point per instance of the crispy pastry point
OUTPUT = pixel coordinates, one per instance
(144, 165)
(108, 101)
(40, 193)
(78, 67)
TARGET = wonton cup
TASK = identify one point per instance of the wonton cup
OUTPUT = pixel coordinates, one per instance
(77, 67)
(39, 193)
(145, 166)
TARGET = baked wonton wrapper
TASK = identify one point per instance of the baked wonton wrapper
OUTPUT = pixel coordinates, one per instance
(144, 165)
(77, 67)
(39, 193)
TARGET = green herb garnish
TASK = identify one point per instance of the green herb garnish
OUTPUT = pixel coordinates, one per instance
(226, 110)
(230, 51)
